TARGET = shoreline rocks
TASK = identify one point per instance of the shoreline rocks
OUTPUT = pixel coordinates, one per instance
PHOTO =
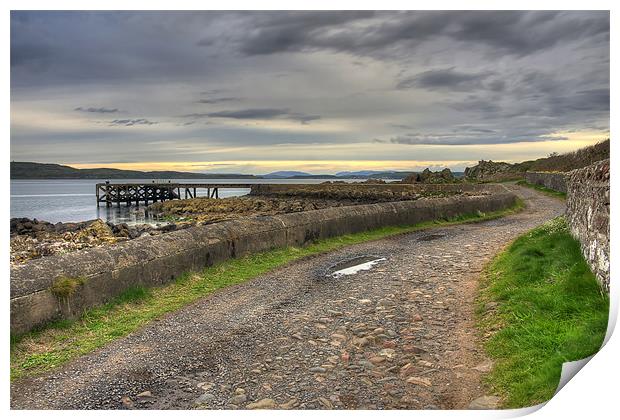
(33, 238)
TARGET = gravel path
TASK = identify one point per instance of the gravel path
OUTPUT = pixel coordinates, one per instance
(400, 335)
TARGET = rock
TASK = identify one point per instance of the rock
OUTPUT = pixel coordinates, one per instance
(204, 399)
(127, 403)
(334, 313)
(326, 403)
(289, 404)
(484, 367)
(487, 402)
(429, 177)
(389, 344)
(238, 399)
(416, 380)
(264, 404)
(145, 394)
(377, 360)
(297, 336)
(361, 342)
(494, 171)
(388, 353)
(205, 386)
(409, 348)
(318, 369)
(366, 364)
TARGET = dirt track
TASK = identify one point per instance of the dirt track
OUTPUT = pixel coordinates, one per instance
(400, 335)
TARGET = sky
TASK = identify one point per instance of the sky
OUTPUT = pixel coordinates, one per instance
(321, 92)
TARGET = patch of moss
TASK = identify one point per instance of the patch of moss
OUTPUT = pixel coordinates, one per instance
(65, 287)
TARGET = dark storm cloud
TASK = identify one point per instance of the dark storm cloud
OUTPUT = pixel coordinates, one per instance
(101, 110)
(524, 33)
(454, 139)
(294, 31)
(485, 108)
(510, 32)
(131, 122)
(257, 114)
(217, 100)
(251, 114)
(447, 79)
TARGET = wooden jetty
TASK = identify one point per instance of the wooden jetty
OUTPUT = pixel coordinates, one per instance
(129, 194)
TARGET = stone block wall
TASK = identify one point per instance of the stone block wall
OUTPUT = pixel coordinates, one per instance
(553, 180)
(587, 214)
(157, 260)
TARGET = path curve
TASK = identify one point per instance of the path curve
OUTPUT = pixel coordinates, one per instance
(401, 335)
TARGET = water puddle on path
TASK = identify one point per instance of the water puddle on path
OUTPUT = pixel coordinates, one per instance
(353, 266)
(430, 237)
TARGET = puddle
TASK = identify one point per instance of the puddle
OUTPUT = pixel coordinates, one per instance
(353, 266)
(430, 237)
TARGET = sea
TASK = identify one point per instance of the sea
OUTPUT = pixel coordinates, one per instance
(74, 200)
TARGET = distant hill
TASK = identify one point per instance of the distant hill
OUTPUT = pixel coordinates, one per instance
(285, 174)
(569, 161)
(346, 174)
(32, 170)
(373, 174)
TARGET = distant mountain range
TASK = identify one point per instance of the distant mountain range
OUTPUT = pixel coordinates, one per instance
(32, 170)
(339, 175)
(285, 174)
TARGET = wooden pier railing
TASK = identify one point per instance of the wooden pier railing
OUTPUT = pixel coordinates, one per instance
(129, 194)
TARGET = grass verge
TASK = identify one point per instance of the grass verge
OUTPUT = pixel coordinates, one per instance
(539, 306)
(62, 341)
(542, 189)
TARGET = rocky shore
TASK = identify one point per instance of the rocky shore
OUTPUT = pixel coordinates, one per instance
(204, 210)
(32, 238)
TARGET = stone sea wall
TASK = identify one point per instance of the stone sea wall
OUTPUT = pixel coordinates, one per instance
(553, 180)
(105, 272)
(587, 213)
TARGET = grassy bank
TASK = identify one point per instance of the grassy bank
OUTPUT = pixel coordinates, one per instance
(543, 189)
(62, 341)
(540, 306)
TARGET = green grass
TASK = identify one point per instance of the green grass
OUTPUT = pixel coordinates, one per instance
(539, 306)
(543, 189)
(62, 341)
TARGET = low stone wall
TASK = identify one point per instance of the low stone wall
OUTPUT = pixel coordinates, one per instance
(351, 188)
(553, 180)
(157, 260)
(587, 213)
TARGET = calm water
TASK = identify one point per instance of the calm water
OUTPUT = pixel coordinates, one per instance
(74, 200)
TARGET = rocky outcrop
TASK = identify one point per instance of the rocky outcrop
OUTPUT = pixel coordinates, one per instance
(487, 170)
(32, 238)
(427, 176)
(587, 213)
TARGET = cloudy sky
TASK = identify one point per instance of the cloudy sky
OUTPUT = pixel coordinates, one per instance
(313, 91)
